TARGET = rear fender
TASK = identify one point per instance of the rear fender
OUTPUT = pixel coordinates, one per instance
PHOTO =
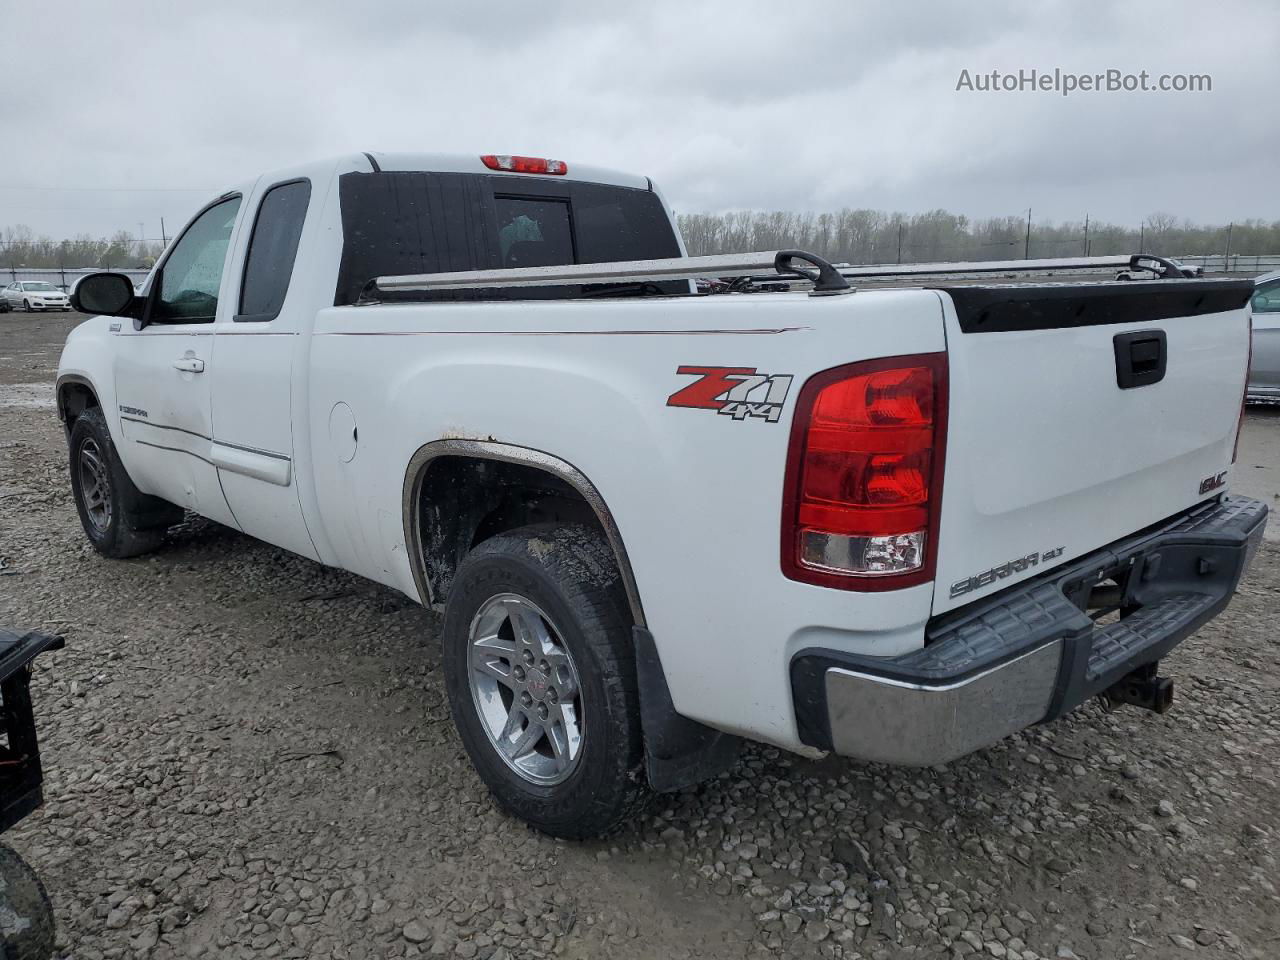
(411, 503)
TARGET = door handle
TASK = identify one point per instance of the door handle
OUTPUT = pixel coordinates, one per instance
(189, 364)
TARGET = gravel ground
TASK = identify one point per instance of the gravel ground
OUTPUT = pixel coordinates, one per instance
(249, 755)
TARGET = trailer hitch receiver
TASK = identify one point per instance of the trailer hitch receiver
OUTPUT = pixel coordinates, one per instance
(1141, 688)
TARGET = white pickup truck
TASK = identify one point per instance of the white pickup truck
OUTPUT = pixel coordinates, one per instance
(897, 524)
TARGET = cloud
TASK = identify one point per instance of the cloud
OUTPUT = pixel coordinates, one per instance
(727, 105)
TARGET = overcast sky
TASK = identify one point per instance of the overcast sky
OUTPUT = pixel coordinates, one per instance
(727, 105)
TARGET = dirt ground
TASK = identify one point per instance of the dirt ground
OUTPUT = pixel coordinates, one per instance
(249, 755)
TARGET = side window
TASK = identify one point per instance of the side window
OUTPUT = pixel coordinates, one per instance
(533, 232)
(1267, 298)
(189, 281)
(273, 247)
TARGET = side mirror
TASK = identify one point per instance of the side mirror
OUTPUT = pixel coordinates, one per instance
(108, 294)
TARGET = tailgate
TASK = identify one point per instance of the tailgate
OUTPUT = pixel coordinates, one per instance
(1049, 456)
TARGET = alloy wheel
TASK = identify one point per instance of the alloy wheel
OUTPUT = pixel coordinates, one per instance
(525, 688)
(95, 486)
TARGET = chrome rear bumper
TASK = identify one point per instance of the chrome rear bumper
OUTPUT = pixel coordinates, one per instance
(1030, 653)
(894, 721)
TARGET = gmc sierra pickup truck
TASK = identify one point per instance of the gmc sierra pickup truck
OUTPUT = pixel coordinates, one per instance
(898, 524)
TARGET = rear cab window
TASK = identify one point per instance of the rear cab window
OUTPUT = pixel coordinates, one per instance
(273, 248)
(533, 232)
(410, 223)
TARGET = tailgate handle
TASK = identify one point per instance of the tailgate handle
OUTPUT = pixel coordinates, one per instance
(1140, 358)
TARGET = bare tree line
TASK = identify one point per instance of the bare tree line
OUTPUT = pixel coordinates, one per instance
(20, 247)
(874, 236)
(853, 236)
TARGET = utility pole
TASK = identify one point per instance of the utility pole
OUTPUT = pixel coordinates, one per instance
(165, 240)
(1226, 256)
(1086, 234)
(1026, 244)
(1142, 235)
(899, 242)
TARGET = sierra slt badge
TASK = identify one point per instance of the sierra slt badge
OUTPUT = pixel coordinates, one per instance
(988, 577)
(737, 392)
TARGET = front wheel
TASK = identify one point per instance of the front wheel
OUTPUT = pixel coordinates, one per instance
(27, 932)
(541, 679)
(119, 520)
(26, 305)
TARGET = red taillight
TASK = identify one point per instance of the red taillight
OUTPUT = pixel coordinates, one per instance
(494, 161)
(864, 474)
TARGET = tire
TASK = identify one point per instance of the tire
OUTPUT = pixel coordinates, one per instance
(24, 899)
(119, 520)
(561, 583)
(26, 305)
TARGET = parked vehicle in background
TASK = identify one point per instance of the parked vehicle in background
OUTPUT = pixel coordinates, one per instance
(1264, 366)
(1190, 270)
(897, 524)
(33, 295)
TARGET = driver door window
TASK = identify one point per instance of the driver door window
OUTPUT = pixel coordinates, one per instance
(192, 274)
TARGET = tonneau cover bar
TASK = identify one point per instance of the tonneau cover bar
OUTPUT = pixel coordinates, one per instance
(767, 265)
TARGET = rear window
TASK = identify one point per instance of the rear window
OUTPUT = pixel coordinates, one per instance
(408, 223)
(533, 232)
(613, 223)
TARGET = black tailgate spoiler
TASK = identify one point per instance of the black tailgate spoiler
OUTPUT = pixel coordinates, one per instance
(1006, 307)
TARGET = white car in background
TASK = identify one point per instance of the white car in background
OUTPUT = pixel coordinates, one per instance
(32, 295)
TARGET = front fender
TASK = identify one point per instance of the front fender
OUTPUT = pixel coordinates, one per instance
(86, 360)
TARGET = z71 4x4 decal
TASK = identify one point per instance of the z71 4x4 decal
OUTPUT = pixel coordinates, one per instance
(737, 392)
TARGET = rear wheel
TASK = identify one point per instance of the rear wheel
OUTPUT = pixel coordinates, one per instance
(541, 679)
(119, 520)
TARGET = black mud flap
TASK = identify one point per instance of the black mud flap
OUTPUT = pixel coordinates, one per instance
(679, 752)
